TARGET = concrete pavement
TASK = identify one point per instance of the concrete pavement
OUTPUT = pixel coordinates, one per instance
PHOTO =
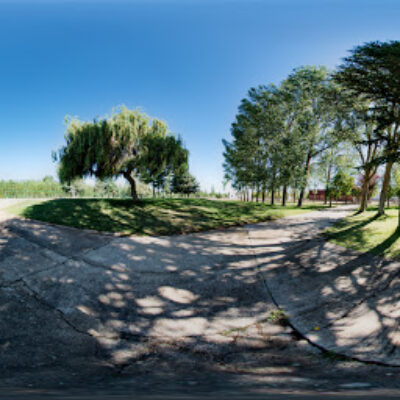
(81, 308)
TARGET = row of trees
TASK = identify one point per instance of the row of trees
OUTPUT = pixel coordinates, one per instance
(326, 122)
(48, 187)
(183, 183)
(106, 188)
(127, 144)
(278, 133)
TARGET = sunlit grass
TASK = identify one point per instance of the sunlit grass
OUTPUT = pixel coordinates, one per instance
(152, 216)
(368, 233)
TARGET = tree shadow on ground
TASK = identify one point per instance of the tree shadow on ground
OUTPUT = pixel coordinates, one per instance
(351, 230)
(177, 307)
(153, 216)
(342, 299)
(386, 244)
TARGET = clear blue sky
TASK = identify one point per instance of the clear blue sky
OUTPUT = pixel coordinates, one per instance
(188, 62)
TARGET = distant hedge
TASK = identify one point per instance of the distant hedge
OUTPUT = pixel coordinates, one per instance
(30, 188)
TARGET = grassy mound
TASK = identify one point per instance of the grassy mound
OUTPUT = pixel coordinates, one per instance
(152, 216)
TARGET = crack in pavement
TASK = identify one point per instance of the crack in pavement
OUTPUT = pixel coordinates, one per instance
(43, 302)
(296, 239)
(377, 276)
(31, 239)
(7, 284)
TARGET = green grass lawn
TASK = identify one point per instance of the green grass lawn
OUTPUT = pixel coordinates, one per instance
(152, 216)
(368, 233)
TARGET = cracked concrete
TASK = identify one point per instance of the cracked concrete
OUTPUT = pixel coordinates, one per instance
(341, 300)
(82, 308)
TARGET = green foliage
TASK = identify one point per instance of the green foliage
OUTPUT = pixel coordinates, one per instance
(372, 73)
(278, 131)
(253, 158)
(315, 125)
(78, 188)
(125, 144)
(312, 114)
(47, 187)
(161, 156)
(342, 184)
(278, 317)
(184, 183)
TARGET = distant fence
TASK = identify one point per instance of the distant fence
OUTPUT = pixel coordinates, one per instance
(50, 194)
(30, 195)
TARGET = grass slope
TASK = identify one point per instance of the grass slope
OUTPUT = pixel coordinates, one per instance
(368, 233)
(151, 216)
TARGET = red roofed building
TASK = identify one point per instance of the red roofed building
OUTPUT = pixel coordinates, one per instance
(319, 195)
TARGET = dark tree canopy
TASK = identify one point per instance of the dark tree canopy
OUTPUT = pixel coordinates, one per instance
(372, 72)
(184, 183)
(161, 157)
(278, 131)
(121, 145)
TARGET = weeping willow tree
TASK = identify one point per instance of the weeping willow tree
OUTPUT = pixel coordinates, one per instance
(118, 146)
(161, 156)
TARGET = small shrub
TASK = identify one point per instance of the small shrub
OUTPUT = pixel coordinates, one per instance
(278, 317)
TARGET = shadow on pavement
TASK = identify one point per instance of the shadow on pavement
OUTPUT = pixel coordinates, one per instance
(184, 314)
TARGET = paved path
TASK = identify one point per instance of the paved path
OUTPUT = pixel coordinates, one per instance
(78, 306)
(339, 299)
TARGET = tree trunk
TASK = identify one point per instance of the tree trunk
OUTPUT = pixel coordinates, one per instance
(284, 193)
(301, 197)
(127, 175)
(364, 192)
(263, 195)
(273, 188)
(385, 186)
(307, 169)
(398, 224)
(328, 184)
